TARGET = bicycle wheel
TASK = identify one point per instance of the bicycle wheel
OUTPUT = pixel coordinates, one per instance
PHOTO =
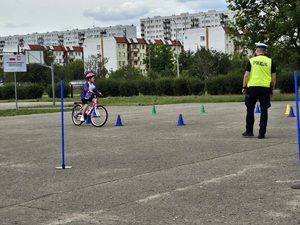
(76, 114)
(99, 116)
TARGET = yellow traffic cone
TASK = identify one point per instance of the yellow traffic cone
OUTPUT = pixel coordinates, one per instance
(287, 111)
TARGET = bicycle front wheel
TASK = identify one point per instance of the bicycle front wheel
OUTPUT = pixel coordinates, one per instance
(99, 116)
(76, 114)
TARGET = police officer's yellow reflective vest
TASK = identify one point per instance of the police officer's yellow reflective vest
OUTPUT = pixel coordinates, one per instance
(260, 74)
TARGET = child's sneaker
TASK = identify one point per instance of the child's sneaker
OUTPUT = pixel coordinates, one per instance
(82, 118)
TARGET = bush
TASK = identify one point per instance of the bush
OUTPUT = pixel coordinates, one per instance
(196, 86)
(24, 91)
(33, 91)
(164, 86)
(215, 85)
(8, 91)
(224, 84)
(102, 85)
(128, 88)
(147, 86)
(180, 86)
(285, 82)
(57, 90)
(113, 87)
(233, 83)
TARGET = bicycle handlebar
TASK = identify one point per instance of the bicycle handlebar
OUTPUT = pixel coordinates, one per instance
(99, 94)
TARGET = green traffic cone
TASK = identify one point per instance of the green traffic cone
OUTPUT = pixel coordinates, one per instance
(153, 110)
(202, 109)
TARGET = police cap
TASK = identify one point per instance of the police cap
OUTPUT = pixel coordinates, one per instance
(261, 45)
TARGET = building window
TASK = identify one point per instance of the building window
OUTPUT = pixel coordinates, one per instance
(202, 38)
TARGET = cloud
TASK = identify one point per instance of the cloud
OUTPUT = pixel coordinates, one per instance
(14, 25)
(204, 5)
(125, 11)
(187, 1)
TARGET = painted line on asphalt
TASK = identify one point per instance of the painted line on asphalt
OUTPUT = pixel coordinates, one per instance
(213, 180)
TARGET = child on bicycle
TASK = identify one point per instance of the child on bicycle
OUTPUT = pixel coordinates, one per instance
(88, 92)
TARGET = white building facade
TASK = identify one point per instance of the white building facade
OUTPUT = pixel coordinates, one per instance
(213, 38)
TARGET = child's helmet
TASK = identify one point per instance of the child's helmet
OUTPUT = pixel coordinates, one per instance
(89, 75)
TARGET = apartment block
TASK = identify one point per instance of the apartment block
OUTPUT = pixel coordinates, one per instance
(66, 38)
(155, 27)
(207, 29)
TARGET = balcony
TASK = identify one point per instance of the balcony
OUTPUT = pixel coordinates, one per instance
(135, 58)
(134, 50)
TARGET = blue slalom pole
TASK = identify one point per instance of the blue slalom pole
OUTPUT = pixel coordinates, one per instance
(62, 124)
(297, 110)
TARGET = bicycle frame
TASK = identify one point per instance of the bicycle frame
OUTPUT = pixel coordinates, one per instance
(97, 113)
(93, 105)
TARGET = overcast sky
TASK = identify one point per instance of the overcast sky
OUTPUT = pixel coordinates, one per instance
(30, 16)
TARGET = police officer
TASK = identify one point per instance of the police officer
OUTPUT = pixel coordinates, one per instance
(258, 84)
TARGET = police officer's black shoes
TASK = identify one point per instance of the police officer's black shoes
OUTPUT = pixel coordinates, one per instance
(247, 134)
(261, 136)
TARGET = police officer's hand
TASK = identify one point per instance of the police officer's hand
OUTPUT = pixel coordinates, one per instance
(244, 90)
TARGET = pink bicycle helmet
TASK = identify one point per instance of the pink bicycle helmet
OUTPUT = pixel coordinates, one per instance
(89, 75)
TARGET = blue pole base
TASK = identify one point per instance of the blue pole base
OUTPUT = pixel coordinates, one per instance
(296, 186)
(63, 167)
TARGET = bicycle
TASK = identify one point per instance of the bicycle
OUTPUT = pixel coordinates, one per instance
(96, 112)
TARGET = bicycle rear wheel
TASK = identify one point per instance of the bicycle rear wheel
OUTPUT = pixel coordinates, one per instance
(99, 116)
(76, 114)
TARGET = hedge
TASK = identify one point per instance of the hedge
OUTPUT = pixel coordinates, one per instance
(24, 91)
(285, 82)
(224, 84)
(67, 90)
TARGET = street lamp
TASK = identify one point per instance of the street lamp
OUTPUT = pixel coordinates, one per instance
(102, 32)
(177, 62)
(149, 45)
(206, 33)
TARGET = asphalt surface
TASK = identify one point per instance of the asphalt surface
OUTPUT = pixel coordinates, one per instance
(150, 171)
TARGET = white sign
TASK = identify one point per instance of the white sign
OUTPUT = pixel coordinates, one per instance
(14, 63)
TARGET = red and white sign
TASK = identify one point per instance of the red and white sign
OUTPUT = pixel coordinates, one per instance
(14, 63)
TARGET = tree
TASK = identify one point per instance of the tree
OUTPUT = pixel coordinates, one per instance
(127, 72)
(275, 22)
(161, 58)
(93, 64)
(185, 58)
(206, 63)
(75, 70)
